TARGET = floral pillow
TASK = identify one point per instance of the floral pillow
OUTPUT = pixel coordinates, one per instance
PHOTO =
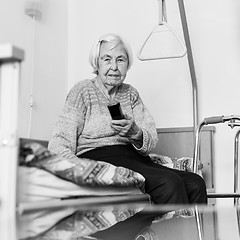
(81, 171)
(183, 163)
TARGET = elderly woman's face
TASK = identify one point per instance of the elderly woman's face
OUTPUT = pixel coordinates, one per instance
(113, 64)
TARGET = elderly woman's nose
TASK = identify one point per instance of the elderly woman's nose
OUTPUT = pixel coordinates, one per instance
(114, 65)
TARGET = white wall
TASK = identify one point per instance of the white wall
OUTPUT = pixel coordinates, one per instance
(165, 86)
(45, 65)
(16, 28)
(133, 20)
(50, 77)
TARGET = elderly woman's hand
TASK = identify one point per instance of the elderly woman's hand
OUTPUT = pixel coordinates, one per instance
(128, 128)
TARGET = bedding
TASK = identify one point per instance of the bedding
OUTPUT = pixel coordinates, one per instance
(182, 163)
(36, 184)
(43, 175)
(80, 171)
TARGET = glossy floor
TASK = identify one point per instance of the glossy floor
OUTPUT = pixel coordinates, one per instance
(134, 221)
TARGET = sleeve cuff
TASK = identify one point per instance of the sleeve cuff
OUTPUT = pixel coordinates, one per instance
(144, 149)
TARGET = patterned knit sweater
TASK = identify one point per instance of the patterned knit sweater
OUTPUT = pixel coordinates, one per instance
(84, 123)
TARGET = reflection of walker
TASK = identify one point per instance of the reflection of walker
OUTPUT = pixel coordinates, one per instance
(233, 121)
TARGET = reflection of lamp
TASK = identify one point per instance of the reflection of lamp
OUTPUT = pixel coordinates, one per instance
(162, 36)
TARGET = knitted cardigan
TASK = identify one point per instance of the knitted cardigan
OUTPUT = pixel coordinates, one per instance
(84, 123)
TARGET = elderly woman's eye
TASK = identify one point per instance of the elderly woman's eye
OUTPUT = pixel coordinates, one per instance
(121, 60)
(107, 60)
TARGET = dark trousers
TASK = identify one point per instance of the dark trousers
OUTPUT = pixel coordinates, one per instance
(164, 185)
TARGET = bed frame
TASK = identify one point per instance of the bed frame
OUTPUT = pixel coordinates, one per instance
(23, 141)
(10, 59)
(179, 142)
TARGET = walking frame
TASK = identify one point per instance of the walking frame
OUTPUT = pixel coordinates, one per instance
(233, 121)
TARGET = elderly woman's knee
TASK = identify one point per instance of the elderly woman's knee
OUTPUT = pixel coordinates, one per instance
(172, 191)
(199, 182)
(173, 184)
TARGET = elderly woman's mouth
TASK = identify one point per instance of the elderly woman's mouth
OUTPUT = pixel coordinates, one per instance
(113, 75)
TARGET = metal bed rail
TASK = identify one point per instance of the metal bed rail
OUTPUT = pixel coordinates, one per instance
(10, 61)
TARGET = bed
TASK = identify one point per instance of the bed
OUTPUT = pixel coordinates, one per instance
(44, 176)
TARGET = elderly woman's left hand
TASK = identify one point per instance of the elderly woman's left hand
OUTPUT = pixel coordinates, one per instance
(127, 128)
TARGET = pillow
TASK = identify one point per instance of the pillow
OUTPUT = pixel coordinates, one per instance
(81, 171)
(36, 184)
(183, 163)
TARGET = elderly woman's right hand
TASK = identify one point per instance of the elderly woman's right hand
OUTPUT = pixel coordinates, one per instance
(128, 128)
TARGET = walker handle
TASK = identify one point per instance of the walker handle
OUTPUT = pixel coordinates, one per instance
(213, 120)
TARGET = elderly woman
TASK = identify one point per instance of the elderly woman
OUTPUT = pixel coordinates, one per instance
(86, 128)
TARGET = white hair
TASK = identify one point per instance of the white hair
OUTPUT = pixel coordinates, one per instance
(95, 51)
